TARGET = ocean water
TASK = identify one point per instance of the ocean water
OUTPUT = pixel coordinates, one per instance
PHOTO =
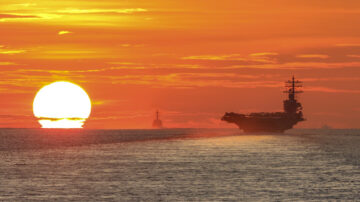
(179, 165)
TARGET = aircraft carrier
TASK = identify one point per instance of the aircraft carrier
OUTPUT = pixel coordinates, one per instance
(276, 122)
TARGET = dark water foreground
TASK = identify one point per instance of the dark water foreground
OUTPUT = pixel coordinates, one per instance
(179, 165)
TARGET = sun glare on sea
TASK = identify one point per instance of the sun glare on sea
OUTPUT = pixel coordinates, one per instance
(62, 105)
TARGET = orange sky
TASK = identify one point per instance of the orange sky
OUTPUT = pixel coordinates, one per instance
(193, 60)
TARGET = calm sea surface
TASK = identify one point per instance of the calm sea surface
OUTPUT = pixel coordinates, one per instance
(179, 165)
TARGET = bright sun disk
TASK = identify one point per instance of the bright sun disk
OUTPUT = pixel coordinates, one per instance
(62, 105)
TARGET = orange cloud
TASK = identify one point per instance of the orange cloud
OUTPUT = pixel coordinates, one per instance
(264, 54)
(311, 56)
(7, 51)
(99, 11)
(12, 16)
(7, 63)
(353, 56)
(214, 57)
(265, 57)
(348, 45)
(64, 32)
(330, 90)
(302, 65)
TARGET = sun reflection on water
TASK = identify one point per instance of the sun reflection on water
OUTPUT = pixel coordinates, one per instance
(62, 123)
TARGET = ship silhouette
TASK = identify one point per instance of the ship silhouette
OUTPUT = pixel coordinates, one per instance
(273, 121)
(157, 123)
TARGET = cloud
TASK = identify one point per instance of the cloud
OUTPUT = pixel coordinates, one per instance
(122, 63)
(64, 32)
(264, 54)
(311, 79)
(11, 52)
(7, 63)
(214, 57)
(261, 57)
(85, 14)
(107, 102)
(10, 16)
(329, 58)
(98, 11)
(19, 6)
(330, 90)
(300, 65)
(235, 59)
(188, 66)
(191, 80)
(313, 56)
(19, 78)
(5, 51)
(264, 57)
(348, 45)
(15, 117)
(353, 56)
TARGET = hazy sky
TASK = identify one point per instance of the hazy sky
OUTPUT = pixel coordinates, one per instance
(191, 59)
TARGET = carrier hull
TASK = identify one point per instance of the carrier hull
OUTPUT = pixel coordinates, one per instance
(273, 125)
(276, 122)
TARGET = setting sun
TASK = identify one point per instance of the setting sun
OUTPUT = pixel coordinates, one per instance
(62, 105)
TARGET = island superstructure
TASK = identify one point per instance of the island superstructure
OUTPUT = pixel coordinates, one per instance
(157, 123)
(272, 121)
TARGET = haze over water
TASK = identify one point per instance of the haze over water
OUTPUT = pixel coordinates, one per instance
(178, 165)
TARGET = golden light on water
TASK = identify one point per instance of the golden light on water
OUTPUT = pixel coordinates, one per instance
(62, 105)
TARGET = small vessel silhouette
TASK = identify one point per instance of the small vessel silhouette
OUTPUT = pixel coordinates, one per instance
(157, 123)
(274, 121)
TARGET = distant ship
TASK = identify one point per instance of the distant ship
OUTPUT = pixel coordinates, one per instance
(326, 127)
(274, 121)
(157, 123)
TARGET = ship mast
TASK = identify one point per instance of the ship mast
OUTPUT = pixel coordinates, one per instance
(291, 105)
(292, 86)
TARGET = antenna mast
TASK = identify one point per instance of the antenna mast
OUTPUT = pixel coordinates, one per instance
(292, 86)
